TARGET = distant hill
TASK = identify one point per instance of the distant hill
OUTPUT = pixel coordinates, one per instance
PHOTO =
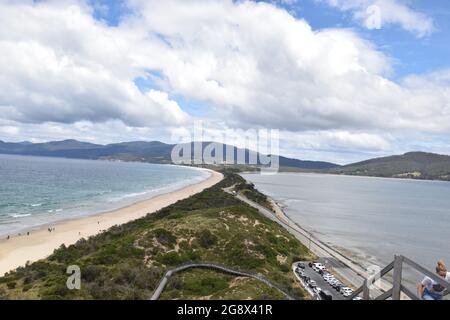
(415, 165)
(153, 152)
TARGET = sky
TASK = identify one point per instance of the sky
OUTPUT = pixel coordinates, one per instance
(342, 80)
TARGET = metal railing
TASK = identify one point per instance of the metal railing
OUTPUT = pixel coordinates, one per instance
(398, 290)
(213, 266)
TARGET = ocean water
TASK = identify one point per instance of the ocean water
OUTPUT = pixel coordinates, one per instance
(371, 219)
(36, 191)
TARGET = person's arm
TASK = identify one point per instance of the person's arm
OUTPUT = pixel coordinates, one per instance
(426, 283)
(420, 288)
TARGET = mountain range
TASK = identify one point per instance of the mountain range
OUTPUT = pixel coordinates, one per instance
(152, 152)
(415, 165)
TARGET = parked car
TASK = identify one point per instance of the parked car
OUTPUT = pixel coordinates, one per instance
(339, 287)
(318, 267)
(329, 280)
(325, 295)
(312, 284)
(301, 274)
(318, 264)
(357, 298)
(336, 285)
(333, 282)
(301, 265)
(346, 292)
(321, 269)
(310, 264)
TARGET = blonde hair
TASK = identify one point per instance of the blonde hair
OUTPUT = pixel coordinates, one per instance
(441, 266)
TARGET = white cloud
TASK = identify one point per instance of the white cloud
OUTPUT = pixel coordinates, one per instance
(253, 64)
(375, 14)
(103, 133)
(59, 64)
(257, 65)
(340, 140)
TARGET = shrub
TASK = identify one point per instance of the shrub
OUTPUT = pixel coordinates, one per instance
(27, 280)
(91, 273)
(284, 268)
(171, 259)
(206, 239)
(26, 287)
(60, 292)
(165, 237)
(206, 286)
(11, 285)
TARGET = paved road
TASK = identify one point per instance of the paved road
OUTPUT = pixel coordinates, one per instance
(332, 259)
(218, 267)
(349, 272)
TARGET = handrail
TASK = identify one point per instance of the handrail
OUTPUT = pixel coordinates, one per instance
(371, 280)
(385, 295)
(409, 293)
(428, 273)
(397, 287)
(214, 266)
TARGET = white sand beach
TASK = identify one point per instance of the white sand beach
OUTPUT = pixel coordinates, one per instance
(41, 243)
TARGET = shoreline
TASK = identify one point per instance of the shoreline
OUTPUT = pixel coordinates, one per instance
(41, 243)
(141, 197)
(353, 175)
(345, 266)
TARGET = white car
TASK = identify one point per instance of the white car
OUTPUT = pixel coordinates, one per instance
(333, 282)
(329, 279)
(318, 266)
(346, 292)
(312, 284)
(357, 298)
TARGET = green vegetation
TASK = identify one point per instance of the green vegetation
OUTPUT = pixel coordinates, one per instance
(128, 261)
(250, 192)
(413, 165)
(217, 286)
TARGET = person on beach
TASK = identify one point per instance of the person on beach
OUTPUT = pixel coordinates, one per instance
(429, 289)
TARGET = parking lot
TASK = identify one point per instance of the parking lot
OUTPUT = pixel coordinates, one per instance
(321, 283)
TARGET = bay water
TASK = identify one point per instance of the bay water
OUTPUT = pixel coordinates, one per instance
(37, 191)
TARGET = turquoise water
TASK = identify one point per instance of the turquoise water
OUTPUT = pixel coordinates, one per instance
(372, 218)
(36, 191)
